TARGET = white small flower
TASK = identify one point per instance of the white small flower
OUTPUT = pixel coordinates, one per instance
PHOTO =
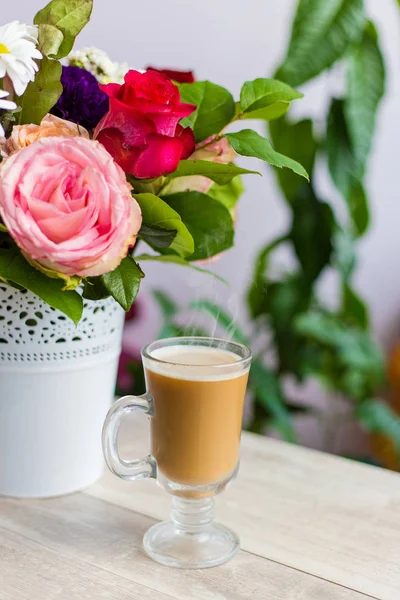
(17, 51)
(99, 64)
(5, 105)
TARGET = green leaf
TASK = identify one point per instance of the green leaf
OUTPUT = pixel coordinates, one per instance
(297, 141)
(257, 289)
(269, 392)
(14, 268)
(344, 253)
(175, 260)
(354, 308)
(220, 173)
(322, 32)
(228, 194)
(358, 202)
(42, 93)
(168, 307)
(161, 221)
(365, 89)
(175, 330)
(249, 143)
(266, 98)
(169, 330)
(269, 113)
(311, 232)
(341, 164)
(157, 237)
(221, 318)
(69, 16)
(50, 39)
(215, 108)
(354, 347)
(94, 289)
(208, 221)
(123, 283)
(284, 300)
(378, 417)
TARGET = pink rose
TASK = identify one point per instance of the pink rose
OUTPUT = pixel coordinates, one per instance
(219, 151)
(51, 126)
(68, 206)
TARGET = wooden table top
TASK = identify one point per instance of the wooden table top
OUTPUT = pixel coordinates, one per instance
(312, 527)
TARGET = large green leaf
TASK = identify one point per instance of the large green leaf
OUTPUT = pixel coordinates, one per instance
(358, 203)
(227, 194)
(49, 40)
(266, 99)
(158, 238)
(284, 300)
(249, 143)
(220, 173)
(69, 17)
(42, 93)
(257, 290)
(354, 347)
(365, 88)
(269, 113)
(311, 232)
(354, 308)
(94, 289)
(176, 330)
(168, 307)
(208, 221)
(378, 417)
(175, 260)
(220, 318)
(160, 221)
(14, 268)
(123, 283)
(344, 256)
(268, 391)
(297, 141)
(215, 108)
(342, 167)
(322, 32)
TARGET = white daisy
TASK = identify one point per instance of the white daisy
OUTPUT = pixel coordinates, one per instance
(17, 51)
(5, 105)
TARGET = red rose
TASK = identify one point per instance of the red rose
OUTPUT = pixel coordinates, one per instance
(178, 76)
(141, 129)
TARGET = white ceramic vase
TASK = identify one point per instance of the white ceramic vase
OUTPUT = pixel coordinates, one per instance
(56, 385)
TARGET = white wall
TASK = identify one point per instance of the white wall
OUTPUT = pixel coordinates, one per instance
(229, 41)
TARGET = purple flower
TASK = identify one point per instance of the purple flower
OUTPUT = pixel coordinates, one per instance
(81, 101)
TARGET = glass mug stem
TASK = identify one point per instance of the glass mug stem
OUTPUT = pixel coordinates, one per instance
(196, 389)
(139, 468)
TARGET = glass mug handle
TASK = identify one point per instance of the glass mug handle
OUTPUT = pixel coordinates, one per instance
(138, 468)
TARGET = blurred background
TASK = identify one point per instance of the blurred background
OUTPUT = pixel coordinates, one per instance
(328, 402)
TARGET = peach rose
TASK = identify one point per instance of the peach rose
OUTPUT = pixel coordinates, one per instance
(51, 126)
(68, 206)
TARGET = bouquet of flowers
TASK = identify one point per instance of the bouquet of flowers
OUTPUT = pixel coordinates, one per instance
(95, 157)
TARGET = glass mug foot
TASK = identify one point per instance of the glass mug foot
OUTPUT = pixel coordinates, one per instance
(191, 540)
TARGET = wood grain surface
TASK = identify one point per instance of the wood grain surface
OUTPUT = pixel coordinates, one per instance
(312, 526)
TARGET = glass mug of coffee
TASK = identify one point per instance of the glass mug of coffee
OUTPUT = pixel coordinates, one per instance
(195, 394)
